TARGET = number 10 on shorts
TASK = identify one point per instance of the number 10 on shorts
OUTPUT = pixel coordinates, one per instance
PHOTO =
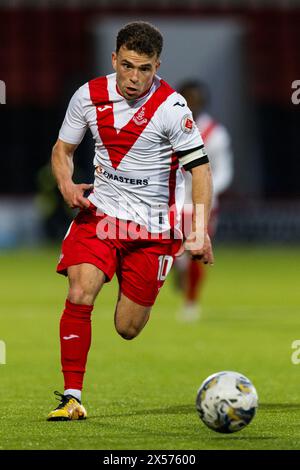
(164, 266)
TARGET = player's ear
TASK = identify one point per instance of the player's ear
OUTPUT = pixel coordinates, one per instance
(114, 60)
(158, 62)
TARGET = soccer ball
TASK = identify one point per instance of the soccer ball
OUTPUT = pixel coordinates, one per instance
(226, 401)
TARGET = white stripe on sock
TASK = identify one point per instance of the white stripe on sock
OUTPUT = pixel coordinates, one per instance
(75, 393)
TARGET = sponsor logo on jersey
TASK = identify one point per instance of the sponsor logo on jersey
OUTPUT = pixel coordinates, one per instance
(182, 105)
(122, 179)
(187, 123)
(139, 119)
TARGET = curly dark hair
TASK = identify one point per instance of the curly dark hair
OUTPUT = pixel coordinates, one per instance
(141, 37)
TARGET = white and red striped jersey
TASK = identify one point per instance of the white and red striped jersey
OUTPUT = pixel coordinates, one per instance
(140, 147)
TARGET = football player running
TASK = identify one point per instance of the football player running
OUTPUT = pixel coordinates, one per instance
(144, 135)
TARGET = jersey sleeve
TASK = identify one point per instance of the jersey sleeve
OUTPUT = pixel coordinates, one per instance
(183, 133)
(74, 125)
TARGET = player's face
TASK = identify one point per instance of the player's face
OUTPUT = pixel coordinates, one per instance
(135, 72)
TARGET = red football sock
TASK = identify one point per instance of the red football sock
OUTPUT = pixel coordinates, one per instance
(75, 341)
(195, 277)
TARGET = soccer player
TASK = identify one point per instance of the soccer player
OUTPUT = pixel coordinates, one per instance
(191, 274)
(144, 134)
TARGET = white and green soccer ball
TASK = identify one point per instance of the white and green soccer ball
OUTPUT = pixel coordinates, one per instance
(226, 401)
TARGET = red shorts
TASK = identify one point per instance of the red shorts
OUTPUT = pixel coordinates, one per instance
(141, 264)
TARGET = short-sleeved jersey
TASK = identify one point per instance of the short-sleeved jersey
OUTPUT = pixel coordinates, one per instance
(140, 147)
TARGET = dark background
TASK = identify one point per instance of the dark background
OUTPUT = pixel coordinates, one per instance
(46, 53)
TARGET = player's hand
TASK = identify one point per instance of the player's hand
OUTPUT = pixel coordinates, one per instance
(200, 249)
(73, 194)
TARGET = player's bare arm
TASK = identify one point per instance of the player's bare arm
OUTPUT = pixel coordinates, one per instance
(63, 167)
(202, 189)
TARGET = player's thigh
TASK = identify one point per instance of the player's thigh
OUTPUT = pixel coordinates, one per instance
(85, 282)
(142, 273)
(130, 317)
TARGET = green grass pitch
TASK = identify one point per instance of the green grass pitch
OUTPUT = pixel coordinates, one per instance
(140, 394)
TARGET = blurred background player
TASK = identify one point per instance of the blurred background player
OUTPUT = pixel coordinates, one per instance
(190, 273)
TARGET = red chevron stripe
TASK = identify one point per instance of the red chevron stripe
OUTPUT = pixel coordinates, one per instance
(119, 144)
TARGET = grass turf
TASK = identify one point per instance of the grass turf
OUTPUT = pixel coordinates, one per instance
(140, 394)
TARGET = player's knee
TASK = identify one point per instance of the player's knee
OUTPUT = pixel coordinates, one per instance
(78, 295)
(127, 332)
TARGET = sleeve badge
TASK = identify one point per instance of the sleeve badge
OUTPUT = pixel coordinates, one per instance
(187, 123)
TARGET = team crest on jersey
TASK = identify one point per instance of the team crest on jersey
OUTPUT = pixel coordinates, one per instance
(187, 123)
(139, 119)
